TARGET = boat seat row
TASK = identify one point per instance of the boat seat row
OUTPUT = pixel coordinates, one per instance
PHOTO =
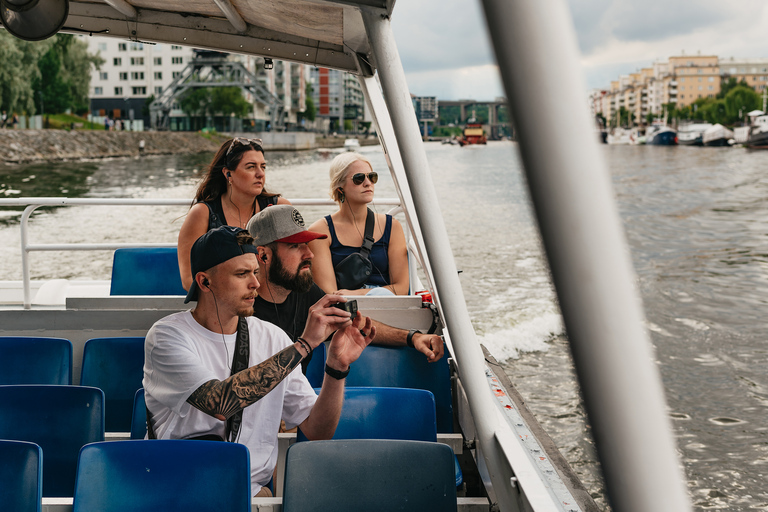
(179, 475)
(116, 366)
(63, 419)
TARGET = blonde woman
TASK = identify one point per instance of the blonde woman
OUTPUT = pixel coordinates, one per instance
(352, 187)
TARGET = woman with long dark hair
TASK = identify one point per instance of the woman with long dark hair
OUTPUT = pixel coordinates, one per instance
(230, 193)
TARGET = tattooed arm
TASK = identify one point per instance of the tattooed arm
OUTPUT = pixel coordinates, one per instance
(222, 399)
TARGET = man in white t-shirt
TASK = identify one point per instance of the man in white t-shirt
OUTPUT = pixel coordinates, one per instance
(190, 389)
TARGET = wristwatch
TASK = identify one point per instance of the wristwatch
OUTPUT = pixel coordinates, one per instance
(336, 374)
(409, 339)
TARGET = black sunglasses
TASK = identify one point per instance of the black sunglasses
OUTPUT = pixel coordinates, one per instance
(243, 141)
(359, 178)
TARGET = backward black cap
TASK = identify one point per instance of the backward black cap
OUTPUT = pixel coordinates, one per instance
(215, 247)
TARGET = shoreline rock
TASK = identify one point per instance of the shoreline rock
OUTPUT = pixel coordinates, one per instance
(25, 146)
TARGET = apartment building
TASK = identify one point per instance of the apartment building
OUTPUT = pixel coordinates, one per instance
(752, 71)
(697, 77)
(131, 73)
(338, 97)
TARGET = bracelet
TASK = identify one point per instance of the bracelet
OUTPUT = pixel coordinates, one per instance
(336, 374)
(409, 339)
(304, 343)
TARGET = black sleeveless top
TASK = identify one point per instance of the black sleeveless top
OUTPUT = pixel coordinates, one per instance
(216, 217)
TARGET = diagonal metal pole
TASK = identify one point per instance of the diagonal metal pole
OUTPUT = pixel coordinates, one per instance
(570, 186)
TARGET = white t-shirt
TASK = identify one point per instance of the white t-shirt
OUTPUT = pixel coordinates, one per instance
(180, 355)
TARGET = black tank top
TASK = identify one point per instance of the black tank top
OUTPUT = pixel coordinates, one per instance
(216, 217)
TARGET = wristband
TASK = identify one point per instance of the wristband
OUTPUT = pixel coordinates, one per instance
(409, 339)
(306, 345)
(336, 374)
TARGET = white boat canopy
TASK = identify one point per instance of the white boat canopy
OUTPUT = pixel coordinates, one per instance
(321, 33)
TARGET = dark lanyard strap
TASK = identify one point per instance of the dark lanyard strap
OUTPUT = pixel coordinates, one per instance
(365, 250)
(239, 363)
(240, 360)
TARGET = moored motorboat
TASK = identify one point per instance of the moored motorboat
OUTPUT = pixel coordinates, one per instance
(758, 132)
(717, 135)
(619, 136)
(692, 134)
(660, 135)
(351, 144)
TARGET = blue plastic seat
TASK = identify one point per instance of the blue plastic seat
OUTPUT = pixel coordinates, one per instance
(146, 271)
(397, 367)
(21, 476)
(116, 366)
(362, 474)
(61, 419)
(163, 475)
(386, 413)
(31, 360)
(139, 417)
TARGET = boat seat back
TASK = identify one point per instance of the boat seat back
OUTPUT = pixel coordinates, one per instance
(31, 360)
(365, 474)
(163, 475)
(61, 420)
(139, 417)
(21, 474)
(386, 413)
(396, 367)
(146, 271)
(116, 366)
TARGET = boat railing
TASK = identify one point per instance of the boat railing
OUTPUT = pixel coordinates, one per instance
(33, 203)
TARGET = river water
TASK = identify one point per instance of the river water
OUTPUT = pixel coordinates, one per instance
(696, 220)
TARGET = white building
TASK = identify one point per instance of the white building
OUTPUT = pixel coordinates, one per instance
(131, 73)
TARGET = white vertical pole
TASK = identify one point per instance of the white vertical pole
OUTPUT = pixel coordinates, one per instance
(536, 49)
(471, 363)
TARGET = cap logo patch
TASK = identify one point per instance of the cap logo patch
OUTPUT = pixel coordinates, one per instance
(297, 218)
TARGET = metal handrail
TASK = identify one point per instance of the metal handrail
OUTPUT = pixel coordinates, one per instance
(33, 203)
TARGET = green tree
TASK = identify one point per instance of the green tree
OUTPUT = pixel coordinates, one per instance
(53, 92)
(76, 66)
(727, 85)
(229, 101)
(739, 101)
(196, 102)
(18, 71)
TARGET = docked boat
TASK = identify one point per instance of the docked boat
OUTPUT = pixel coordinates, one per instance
(473, 133)
(692, 134)
(502, 448)
(717, 135)
(758, 133)
(619, 136)
(351, 144)
(660, 135)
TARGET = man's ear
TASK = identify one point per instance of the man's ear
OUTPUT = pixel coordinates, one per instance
(263, 255)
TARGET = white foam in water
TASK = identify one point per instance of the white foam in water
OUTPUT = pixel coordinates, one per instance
(527, 336)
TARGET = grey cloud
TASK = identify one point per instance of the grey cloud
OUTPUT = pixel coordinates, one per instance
(598, 21)
(435, 35)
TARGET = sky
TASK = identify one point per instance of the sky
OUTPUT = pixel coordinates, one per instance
(446, 52)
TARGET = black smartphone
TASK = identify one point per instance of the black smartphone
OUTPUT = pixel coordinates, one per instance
(350, 305)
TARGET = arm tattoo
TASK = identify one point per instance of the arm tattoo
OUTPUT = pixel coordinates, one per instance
(225, 398)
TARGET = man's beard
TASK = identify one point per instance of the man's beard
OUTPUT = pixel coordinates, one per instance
(300, 282)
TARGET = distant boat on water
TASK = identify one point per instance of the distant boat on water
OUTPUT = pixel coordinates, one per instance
(758, 130)
(351, 144)
(619, 136)
(717, 135)
(473, 134)
(692, 134)
(660, 135)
